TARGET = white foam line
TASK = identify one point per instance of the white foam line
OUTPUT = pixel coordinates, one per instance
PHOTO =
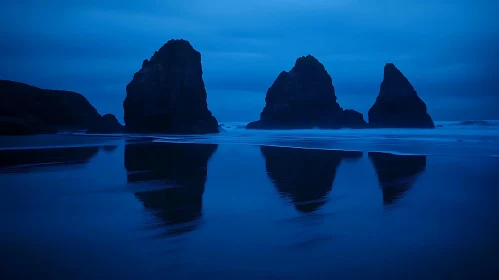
(308, 148)
(351, 150)
(189, 142)
(54, 147)
(117, 135)
(43, 164)
(297, 147)
(256, 143)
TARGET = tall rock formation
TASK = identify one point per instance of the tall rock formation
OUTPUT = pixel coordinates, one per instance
(398, 104)
(25, 109)
(167, 94)
(305, 98)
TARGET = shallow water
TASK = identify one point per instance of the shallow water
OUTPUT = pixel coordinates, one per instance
(450, 139)
(142, 209)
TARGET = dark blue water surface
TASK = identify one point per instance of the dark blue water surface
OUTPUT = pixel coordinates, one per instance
(148, 210)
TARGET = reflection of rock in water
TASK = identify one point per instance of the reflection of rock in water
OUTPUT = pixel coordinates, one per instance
(304, 175)
(110, 148)
(181, 169)
(396, 173)
(30, 159)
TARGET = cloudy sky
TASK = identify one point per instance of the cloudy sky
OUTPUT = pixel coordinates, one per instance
(449, 50)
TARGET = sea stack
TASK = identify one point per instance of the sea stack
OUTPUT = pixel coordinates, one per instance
(107, 124)
(398, 105)
(305, 98)
(167, 95)
(26, 109)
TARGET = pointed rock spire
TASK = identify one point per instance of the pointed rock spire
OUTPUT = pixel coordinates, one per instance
(398, 104)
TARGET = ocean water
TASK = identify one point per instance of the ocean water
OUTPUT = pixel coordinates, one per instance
(452, 138)
(311, 204)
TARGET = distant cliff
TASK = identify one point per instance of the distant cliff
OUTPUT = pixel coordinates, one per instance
(398, 104)
(167, 95)
(108, 124)
(25, 109)
(305, 98)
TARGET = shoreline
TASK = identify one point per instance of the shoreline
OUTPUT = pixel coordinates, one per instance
(404, 146)
(46, 141)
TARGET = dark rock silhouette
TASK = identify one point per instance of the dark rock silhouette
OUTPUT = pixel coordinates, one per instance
(25, 109)
(167, 95)
(109, 148)
(353, 119)
(305, 176)
(176, 175)
(398, 104)
(16, 126)
(304, 98)
(396, 173)
(26, 160)
(108, 124)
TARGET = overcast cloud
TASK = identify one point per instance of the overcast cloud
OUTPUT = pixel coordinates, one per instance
(447, 49)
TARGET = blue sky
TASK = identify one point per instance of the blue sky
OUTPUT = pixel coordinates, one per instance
(448, 49)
